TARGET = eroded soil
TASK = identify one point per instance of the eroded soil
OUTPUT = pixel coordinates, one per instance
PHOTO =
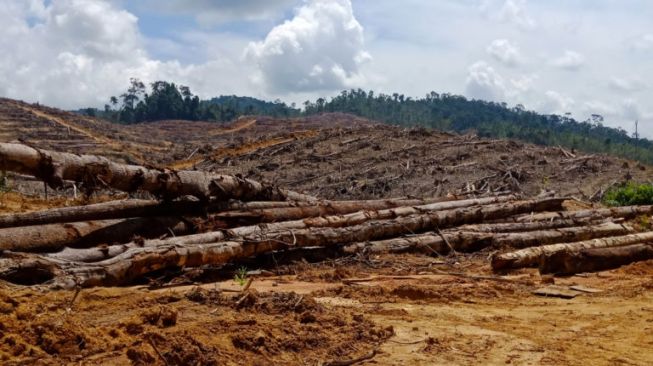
(407, 309)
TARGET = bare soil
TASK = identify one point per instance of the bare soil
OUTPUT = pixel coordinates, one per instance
(389, 310)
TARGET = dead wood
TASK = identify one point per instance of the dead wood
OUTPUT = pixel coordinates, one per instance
(447, 218)
(54, 167)
(469, 241)
(530, 257)
(53, 237)
(569, 262)
(527, 226)
(346, 207)
(628, 212)
(561, 235)
(102, 211)
(137, 262)
(429, 243)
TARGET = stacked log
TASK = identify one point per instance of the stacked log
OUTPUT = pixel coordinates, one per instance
(208, 219)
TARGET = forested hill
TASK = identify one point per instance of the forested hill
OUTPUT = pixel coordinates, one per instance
(440, 111)
(497, 120)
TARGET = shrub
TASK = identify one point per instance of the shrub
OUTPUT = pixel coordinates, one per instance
(629, 194)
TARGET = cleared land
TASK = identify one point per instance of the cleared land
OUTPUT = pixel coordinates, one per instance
(308, 310)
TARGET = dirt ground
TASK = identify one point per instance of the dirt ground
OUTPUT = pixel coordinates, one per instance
(380, 310)
(399, 310)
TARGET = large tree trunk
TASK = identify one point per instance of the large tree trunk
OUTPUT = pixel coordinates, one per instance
(346, 207)
(148, 208)
(469, 241)
(570, 234)
(136, 262)
(530, 257)
(102, 211)
(429, 243)
(55, 167)
(569, 262)
(520, 227)
(55, 237)
(627, 212)
(446, 218)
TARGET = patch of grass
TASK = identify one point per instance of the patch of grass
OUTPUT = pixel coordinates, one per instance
(241, 276)
(630, 194)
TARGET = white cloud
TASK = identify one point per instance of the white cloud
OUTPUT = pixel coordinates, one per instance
(209, 12)
(72, 51)
(554, 102)
(626, 84)
(571, 60)
(321, 48)
(514, 11)
(524, 83)
(505, 52)
(643, 42)
(79, 52)
(483, 82)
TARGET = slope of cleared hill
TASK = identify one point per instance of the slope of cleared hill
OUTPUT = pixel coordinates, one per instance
(329, 155)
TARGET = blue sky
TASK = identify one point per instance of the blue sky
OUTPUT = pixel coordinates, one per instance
(553, 56)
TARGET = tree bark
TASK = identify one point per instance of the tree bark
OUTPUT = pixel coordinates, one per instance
(55, 237)
(569, 262)
(137, 262)
(446, 218)
(562, 235)
(520, 227)
(530, 257)
(347, 207)
(102, 211)
(470, 241)
(627, 212)
(429, 243)
(54, 167)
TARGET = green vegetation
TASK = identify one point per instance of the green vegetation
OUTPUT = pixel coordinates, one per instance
(445, 112)
(241, 276)
(489, 119)
(169, 101)
(629, 194)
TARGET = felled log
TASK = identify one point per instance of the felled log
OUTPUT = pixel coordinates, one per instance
(561, 235)
(569, 262)
(55, 237)
(147, 208)
(100, 211)
(469, 241)
(530, 257)
(627, 212)
(520, 227)
(445, 218)
(347, 207)
(54, 167)
(136, 262)
(428, 243)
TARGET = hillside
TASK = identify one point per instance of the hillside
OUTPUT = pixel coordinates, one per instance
(445, 112)
(329, 155)
(305, 299)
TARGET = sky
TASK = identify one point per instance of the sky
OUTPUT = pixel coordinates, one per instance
(553, 56)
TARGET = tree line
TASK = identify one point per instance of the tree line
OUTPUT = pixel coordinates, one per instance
(168, 101)
(445, 112)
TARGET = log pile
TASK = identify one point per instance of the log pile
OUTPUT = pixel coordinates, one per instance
(204, 219)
